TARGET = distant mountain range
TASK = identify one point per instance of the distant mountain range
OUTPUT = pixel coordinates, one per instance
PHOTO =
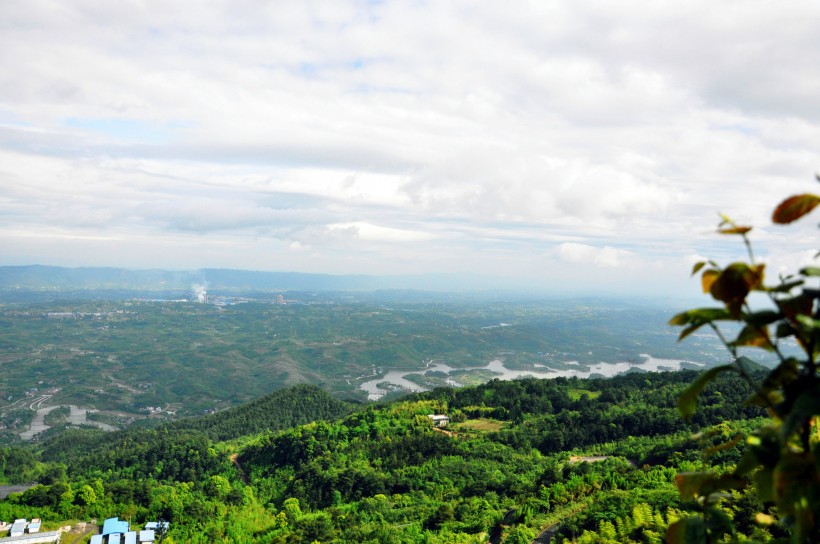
(50, 279)
(38, 277)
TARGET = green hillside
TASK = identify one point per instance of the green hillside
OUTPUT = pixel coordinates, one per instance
(508, 465)
(281, 409)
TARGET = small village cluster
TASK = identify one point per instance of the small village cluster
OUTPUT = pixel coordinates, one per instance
(114, 531)
(117, 531)
(28, 532)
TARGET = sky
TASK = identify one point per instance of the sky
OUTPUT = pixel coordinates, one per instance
(583, 146)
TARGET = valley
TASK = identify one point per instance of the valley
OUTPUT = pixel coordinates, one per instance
(151, 360)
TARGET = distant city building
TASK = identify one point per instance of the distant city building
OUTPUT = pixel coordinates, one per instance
(280, 299)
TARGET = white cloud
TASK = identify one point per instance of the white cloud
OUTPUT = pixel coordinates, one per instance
(476, 134)
(606, 256)
(376, 233)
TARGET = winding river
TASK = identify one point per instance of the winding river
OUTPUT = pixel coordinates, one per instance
(78, 416)
(398, 379)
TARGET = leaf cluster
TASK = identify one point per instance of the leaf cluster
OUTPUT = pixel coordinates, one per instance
(781, 457)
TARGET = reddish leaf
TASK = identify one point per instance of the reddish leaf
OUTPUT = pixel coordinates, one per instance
(708, 278)
(687, 531)
(734, 283)
(792, 307)
(755, 336)
(794, 208)
(690, 484)
(735, 230)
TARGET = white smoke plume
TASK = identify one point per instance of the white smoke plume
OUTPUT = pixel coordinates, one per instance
(200, 293)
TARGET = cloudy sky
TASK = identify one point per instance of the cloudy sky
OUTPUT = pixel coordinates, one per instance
(580, 145)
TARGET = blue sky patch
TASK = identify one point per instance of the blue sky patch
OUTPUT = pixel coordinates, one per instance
(130, 130)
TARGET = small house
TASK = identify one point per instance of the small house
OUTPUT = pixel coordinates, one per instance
(439, 420)
(157, 525)
(18, 527)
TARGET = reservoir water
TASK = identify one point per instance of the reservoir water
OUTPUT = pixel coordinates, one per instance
(397, 378)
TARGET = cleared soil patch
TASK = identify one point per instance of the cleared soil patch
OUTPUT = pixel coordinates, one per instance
(483, 425)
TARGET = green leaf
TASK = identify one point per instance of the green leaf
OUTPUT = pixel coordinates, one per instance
(689, 330)
(810, 271)
(762, 318)
(697, 267)
(689, 484)
(692, 485)
(785, 287)
(697, 318)
(794, 208)
(687, 531)
(757, 337)
(700, 316)
(800, 304)
(688, 400)
(764, 484)
(762, 449)
(795, 477)
(805, 407)
(808, 323)
(770, 394)
(718, 522)
(784, 330)
(725, 446)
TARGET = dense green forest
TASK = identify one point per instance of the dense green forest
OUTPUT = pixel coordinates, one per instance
(299, 466)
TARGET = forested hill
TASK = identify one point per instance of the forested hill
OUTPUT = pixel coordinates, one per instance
(381, 473)
(281, 409)
(173, 443)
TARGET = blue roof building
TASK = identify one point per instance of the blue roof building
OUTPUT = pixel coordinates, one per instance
(33, 526)
(113, 526)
